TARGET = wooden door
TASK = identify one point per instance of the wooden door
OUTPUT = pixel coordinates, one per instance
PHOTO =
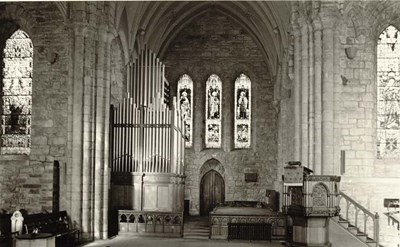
(212, 192)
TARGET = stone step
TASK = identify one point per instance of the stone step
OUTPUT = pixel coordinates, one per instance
(356, 232)
(352, 229)
(344, 224)
(196, 228)
(192, 227)
(197, 231)
(195, 237)
(362, 236)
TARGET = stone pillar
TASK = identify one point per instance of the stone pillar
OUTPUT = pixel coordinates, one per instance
(106, 172)
(90, 108)
(297, 95)
(337, 49)
(100, 123)
(76, 136)
(328, 25)
(317, 37)
(88, 132)
(304, 93)
(311, 112)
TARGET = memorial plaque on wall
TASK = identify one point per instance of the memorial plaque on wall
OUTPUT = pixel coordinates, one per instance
(391, 203)
(250, 177)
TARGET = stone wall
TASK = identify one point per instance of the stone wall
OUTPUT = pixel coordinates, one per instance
(361, 29)
(30, 178)
(213, 43)
(352, 93)
(357, 98)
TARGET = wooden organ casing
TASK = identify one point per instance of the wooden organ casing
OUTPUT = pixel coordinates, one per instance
(147, 151)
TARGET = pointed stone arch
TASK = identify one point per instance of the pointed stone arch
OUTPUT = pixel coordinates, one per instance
(212, 164)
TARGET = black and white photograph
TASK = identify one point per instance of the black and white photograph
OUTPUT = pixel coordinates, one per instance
(190, 123)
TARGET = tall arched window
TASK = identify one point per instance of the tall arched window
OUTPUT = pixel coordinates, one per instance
(185, 95)
(16, 97)
(388, 93)
(242, 111)
(213, 112)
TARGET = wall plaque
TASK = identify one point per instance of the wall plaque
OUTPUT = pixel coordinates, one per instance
(391, 203)
(250, 177)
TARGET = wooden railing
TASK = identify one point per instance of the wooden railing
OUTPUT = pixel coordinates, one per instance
(393, 221)
(359, 209)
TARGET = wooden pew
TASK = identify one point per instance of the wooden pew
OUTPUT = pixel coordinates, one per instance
(5, 230)
(57, 224)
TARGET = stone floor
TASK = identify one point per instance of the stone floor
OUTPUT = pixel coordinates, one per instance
(338, 237)
(177, 242)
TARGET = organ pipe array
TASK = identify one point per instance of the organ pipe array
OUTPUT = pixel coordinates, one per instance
(147, 130)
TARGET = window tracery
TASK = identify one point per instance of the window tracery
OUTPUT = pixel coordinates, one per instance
(185, 95)
(242, 125)
(213, 112)
(16, 99)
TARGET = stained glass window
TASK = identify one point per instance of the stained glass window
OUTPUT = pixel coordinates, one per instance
(185, 95)
(242, 111)
(213, 112)
(16, 98)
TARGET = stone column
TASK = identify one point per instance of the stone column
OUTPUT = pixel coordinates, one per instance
(76, 133)
(106, 172)
(304, 92)
(337, 49)
(317, 96)
(88, 132)
(90, 107)
(100, 123)
(328, 25)
(311, 101)
(297, 95)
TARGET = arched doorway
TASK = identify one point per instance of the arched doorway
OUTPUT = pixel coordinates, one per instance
(212, 191)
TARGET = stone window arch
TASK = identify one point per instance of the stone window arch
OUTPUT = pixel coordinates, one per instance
(242, 127)
(213, 112)
(388, 93)
(16, 94)
(185, 96)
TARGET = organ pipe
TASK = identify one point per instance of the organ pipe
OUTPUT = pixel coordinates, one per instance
(147, 129)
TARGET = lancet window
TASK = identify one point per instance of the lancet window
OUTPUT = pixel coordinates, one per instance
(16, 95)
(242, 112)
(213, 112)
(388, 93)
(185, 95)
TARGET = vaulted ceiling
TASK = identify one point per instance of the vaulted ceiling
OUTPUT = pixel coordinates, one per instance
(157, 23)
